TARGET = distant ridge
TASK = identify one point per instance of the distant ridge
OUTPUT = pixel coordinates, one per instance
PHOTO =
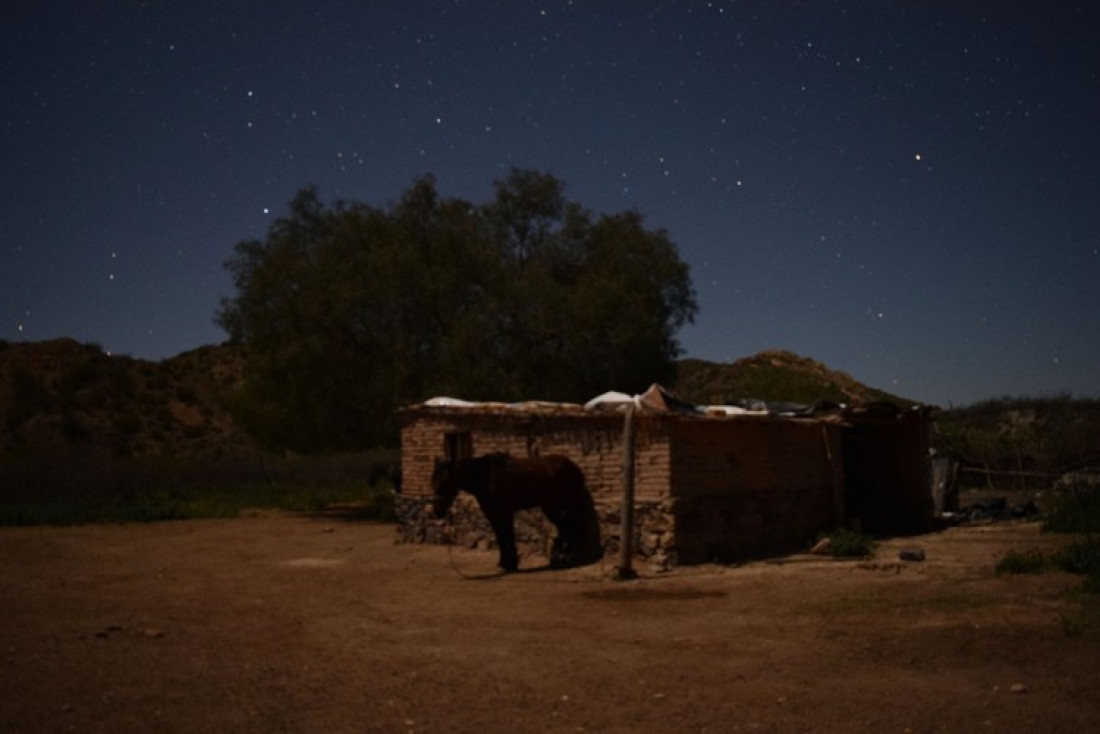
(61, 396)
(772, 375)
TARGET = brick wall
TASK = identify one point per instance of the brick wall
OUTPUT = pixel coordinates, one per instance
(753, 486)
(754, 453)
(594, 442)
(706, 488)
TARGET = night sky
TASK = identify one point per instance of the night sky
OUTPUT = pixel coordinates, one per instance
(906, 191)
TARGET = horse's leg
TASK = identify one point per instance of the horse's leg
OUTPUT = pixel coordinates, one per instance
(567, 550)
(579, 531)
(565, 541)
(505, 529)
(560, 550)
(590, 548)
(556, 551)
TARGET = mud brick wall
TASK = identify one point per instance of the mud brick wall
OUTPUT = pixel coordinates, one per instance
(756, 453)
(753, 487)
(752, 524)
(706, 488)
(594, 442)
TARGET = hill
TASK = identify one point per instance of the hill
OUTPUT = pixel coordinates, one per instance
(60, 395)
(772, 375)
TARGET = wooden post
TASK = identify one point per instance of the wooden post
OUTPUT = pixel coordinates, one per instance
(626, 571)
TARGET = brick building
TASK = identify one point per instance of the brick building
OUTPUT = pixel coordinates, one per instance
(711, 484)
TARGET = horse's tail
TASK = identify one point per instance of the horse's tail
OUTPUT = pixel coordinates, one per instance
(590, 548)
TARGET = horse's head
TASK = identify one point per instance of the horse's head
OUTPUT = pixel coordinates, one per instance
(444, 486)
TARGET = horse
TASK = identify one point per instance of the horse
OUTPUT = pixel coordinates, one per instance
(504, 484)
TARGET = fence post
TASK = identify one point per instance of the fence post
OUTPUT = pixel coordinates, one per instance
(626, 571)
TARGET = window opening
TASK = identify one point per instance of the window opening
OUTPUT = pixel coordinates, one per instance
(458, 445)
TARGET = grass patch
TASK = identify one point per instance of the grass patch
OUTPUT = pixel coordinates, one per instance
(1030, 560)
(1075, 509)
(1080, 557)
(850, 544)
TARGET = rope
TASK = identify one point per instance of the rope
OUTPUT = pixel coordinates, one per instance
(449, 542)
(449, 536)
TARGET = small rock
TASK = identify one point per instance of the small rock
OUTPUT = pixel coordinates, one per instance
(822, 547)
(152, 632)
(911, 554)
(1018, 688)
(660, 563)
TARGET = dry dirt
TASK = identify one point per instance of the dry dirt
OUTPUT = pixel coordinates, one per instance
(314, 624)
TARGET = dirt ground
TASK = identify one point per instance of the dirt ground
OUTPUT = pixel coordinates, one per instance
(279, 623)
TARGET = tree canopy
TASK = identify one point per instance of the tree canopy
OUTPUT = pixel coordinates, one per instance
(350, 311)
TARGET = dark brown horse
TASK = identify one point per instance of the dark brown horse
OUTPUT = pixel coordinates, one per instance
(503, 484)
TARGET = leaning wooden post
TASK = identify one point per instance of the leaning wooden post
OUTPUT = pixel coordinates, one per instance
(626, 570)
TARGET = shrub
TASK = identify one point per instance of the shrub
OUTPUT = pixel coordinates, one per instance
(850, 544)
(1076, 509)
(129, 422)
(1082, 556)
(29, 397)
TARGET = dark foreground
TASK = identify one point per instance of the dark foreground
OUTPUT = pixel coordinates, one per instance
(294, 624)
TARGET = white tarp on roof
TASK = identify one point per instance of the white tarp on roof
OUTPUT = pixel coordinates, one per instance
(610, 399)
(654, 400)
(731, 410)
(444, 402)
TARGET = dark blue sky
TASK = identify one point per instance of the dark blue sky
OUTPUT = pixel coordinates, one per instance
(906, 191)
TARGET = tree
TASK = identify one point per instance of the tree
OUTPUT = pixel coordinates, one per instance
(351, 311)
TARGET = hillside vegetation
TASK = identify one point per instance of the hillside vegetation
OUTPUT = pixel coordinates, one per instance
(1021, 442)
(63, 396)
(772, 375)
(89, 437)
(76, 421)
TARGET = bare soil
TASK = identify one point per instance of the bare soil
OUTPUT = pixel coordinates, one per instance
(288, 623)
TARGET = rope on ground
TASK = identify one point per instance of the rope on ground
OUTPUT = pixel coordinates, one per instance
(448, 536)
